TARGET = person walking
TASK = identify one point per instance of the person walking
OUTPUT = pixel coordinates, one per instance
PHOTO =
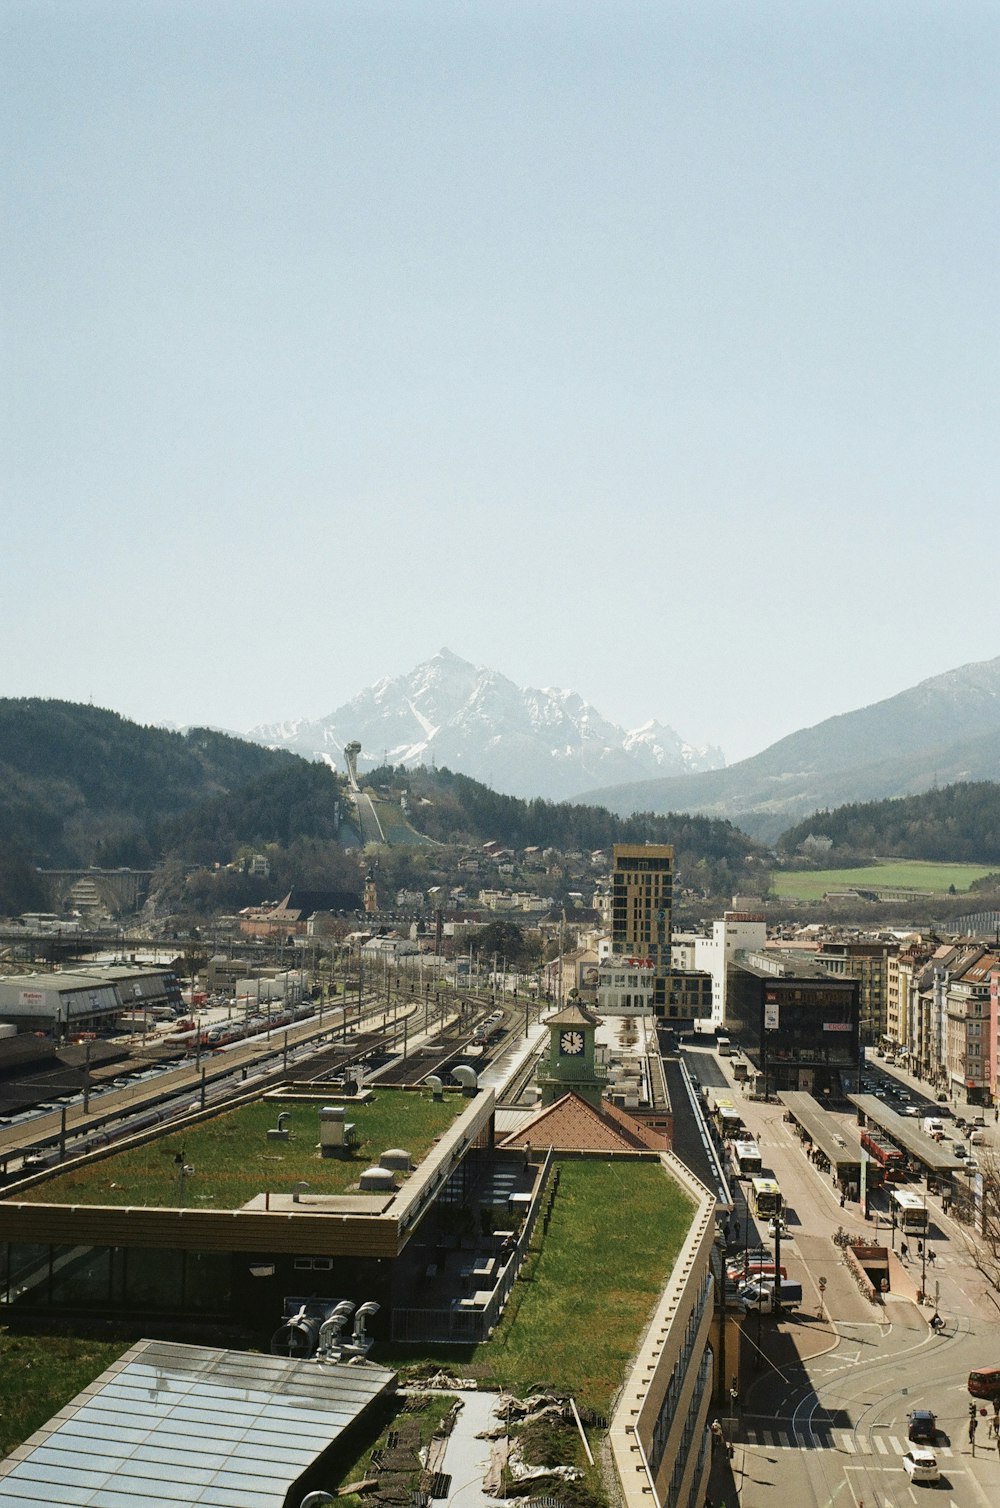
(930, 1255)
(904, 1251)
(973, 1421)
(920, 1248)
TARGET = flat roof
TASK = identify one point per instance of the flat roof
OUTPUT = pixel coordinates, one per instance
(902, 1129)
(171, 1425)
(814, 1120)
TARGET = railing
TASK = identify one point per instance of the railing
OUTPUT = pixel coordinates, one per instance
(458, 1326)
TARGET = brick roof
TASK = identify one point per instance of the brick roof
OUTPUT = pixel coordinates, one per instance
(570, 1124)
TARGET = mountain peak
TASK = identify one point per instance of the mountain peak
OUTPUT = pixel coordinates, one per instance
(524, 741)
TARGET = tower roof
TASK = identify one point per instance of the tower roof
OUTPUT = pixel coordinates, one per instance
(574, 1014)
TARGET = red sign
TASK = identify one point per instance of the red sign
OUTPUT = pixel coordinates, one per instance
(640, 963)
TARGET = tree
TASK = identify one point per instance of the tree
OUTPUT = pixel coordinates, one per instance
(982, 1235)
(505, 940)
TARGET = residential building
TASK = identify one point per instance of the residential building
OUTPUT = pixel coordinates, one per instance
(867, 961)
(968, 1026)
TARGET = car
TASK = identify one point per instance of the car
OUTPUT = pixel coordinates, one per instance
(921, 1466)
(922, 1425)
(979, 1121)
(942, 1099)
(777, 1227)
(910, 1110)
(960, 1120)
(958, 1150)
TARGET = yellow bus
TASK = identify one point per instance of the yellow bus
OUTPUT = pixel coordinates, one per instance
(765, 1197)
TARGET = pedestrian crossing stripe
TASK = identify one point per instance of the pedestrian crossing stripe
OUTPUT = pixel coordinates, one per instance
(851, 1445)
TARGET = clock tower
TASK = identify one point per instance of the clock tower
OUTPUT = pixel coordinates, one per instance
(570, 1064)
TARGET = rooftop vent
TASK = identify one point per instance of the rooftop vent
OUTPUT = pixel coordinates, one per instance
(377, 1181)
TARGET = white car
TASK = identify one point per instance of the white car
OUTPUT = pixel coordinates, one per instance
(921, 1466)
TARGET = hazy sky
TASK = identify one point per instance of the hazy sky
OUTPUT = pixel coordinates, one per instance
(646, 349)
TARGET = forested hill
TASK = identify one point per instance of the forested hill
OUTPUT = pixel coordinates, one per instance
(80, 785)
(712, 855)
(959, 823)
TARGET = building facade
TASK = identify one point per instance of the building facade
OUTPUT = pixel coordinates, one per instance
(638, 975)
(797, 1024)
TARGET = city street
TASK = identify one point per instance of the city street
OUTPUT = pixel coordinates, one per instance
(822, 1420)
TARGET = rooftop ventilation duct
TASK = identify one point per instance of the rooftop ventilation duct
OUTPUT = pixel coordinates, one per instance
(435, 1085)
(467, 1077)
(397, 1159)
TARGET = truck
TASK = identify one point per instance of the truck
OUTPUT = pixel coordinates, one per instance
(760, 1295)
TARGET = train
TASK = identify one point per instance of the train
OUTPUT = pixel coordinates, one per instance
(190, 1038)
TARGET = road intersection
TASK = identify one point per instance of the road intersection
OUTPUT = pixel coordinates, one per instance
(827, 1390)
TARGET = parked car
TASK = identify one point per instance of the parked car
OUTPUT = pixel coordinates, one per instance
(777, 1227)
(921, 1466)
(979, 1120)
(922, 1425)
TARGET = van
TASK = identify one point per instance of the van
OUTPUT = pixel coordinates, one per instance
(932, 1125)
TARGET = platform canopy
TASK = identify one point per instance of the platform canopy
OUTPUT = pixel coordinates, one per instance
(823, 1131)
(906, 1132)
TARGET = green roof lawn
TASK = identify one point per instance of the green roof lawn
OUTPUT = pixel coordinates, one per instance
(592, 1283)
(234, 1159)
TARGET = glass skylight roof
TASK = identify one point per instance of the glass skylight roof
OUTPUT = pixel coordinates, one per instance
(172, 1424)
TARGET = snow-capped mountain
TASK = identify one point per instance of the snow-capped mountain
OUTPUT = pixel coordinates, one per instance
(520, 740)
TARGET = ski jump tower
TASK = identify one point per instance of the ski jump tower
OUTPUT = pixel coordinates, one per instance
(351, 752)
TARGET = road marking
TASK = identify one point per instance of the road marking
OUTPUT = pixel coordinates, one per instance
(880, 1445)
(847, 1443)
(899, 1449)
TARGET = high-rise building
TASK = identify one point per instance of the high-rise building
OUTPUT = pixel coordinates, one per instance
(638, 975)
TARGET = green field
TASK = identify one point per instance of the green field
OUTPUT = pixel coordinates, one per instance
(912, 874)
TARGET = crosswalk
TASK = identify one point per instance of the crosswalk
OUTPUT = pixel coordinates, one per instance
(841, 1440)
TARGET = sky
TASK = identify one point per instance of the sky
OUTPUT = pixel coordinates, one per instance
(646, 349)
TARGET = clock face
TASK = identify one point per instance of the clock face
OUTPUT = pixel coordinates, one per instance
(571, 1043)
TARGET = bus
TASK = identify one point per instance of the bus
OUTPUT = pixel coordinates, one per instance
(765, 1198)
(888, 1156)
(746, 1158)
(909, 1211)
(723, 1047)
(728, 1120)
